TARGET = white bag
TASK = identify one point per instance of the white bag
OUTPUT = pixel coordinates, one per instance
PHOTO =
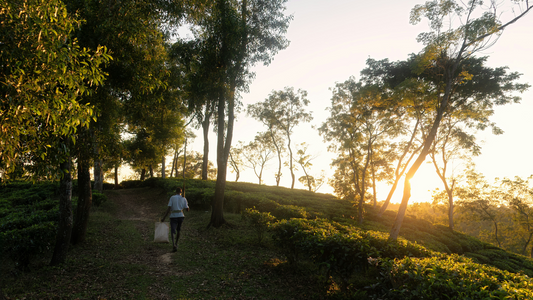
(161, 232)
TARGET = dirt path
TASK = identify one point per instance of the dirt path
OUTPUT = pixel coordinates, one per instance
(145, 206)
(141, 204)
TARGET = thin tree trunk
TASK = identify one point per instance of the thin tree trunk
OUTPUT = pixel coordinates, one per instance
(374, 192)
(184, 159)
(205, 128)
(236, 167)
(116, 176)
(363, 183)
(399, 173)
(143, 174)
(84, 202)
(64, 229)
(293, 177)
(373, 171)
(395, 231)
(163, 162)
(174, 162)
(98, 176)
(217, 212)
(278, 150)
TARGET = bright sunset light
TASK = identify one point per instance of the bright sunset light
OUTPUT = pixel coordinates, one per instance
(336, 47)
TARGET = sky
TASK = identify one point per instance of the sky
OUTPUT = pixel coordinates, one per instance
(330, 40)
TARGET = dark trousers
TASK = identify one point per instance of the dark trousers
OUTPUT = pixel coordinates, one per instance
(175, 227)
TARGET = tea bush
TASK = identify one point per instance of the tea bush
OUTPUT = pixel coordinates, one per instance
(98, 199)
(448, 277)
(259, 221)
(28, 220)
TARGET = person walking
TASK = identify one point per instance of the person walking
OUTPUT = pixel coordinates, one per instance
(176, 205)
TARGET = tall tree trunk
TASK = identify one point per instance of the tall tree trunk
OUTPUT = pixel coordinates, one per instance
(184, 159)
(450, 207)
(163, 175)
(373, 171)
(174, 163)
(362, 191)
(428, 142)
(293, 177)
(236, 167)
(224, 145)
(308, 178)
(217, 212)
(143, 174)
(374, 192)
(84, 201)
(184, 166)
(64, 229)
(151, 171)
(278, 150)
(399, 173)
(98, 174)
(205, 129)
(116, 176)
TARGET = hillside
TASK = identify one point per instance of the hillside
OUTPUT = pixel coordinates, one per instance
(120, 261)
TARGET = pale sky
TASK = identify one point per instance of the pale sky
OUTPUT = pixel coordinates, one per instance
(331, 40)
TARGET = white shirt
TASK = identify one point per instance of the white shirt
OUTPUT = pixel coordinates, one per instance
(177, 203)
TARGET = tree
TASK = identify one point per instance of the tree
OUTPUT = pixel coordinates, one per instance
(235, 159)
(238, 34)
(283, 111)
(137, 78)
(446, 50)
(481, 200)
(199, 86)
(265, 113)
(451, 143)
(358, 128)
(405, 101)
(303, 159)
(43, 73)
(257, 154)
(64, 228)
(518, 195)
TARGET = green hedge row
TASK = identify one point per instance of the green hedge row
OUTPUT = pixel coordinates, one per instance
(29, 214)
(28, 220)
(367, 265)
(340, 251)
(448, 277)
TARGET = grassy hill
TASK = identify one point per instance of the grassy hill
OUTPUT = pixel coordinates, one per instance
(321, 253)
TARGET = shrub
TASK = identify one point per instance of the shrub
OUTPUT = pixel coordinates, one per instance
(452, 277)
(98, 199)
(28, 218)
(265, 204)
(199, 198)
(130, 184)
(289, 211)
(259, 221)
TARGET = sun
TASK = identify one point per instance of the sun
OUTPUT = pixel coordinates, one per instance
(422, 185)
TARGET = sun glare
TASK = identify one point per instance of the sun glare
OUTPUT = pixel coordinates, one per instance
(422, 185)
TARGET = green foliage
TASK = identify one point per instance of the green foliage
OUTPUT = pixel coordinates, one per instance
(44, 71)
(450, 277)
(260, 222)
(28, 220)
(98, 199)
(289, 212)
(339, 250)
